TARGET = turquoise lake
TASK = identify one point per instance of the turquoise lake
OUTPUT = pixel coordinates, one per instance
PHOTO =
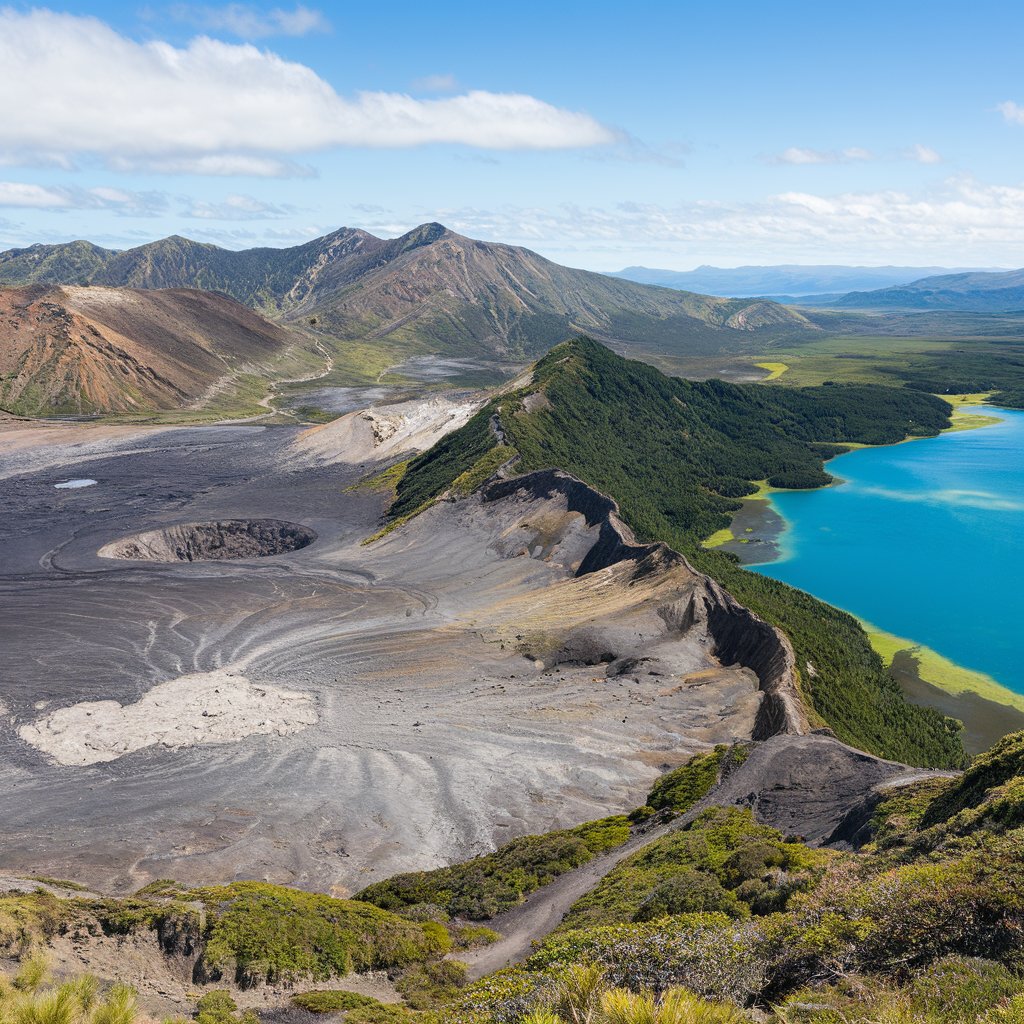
(924, 540)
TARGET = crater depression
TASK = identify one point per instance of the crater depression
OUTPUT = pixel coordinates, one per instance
(212, 542)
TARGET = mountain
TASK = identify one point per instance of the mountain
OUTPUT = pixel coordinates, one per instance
(784, 280)
(91, 349)
(677, 455)
(431, 287)
(69, 263)
(972, 292)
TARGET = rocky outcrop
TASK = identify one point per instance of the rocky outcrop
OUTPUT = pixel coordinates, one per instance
(739, 636)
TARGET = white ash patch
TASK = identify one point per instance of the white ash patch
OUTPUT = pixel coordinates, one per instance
(206, 707)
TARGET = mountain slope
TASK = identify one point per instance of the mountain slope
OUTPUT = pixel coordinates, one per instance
(676, 455)
(102, 350)
(68, 263)
(785, 279)
(977, 292)
(432, 286)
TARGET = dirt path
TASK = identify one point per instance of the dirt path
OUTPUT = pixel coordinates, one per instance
(267, 402)
(542, 912)
(800, 784)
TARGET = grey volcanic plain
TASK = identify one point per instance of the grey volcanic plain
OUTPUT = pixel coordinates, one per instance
(331, 714)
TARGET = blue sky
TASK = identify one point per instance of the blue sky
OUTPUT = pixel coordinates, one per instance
(598, 134)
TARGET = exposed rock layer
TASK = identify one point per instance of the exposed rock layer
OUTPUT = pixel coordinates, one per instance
(740, 637)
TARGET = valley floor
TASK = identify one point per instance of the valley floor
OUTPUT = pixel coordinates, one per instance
(434, 736)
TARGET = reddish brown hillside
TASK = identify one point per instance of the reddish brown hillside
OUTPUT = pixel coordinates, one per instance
(82, 350)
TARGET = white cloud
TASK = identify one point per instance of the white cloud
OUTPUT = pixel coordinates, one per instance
(72, 86)
(40, 197)
(923, 154)
(799, 155)
(248, 22)
(435, 83)
(236, 207)
(15, 193)
(957, 220)
(1012, 112)
(852, 154)
(215, 166)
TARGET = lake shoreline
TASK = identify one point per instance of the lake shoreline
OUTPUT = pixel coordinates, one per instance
(988, 708)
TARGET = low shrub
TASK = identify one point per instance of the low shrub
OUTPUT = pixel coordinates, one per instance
(331, 1001)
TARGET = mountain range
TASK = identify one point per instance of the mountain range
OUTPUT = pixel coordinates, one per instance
(432, 286)
(782, 281)
(971, 292)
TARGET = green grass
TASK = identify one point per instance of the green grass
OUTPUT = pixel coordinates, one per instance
(679, 789)
(270, 933)
(331, 1001)
(775, 370)
(939, 671)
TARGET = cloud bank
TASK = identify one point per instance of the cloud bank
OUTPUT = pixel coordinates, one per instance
(949, 222)
(74, 88)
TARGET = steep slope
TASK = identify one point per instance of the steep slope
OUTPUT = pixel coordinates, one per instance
(444, 291)
(89, 349)
(268, 279)
(460, 295)
(978, 292)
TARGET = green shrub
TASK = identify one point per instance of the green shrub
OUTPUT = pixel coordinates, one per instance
(485, 886)
(331, 1001)
(217, 1007)
(992, 789)
(723, 861)
(959, 989)
(424, 987)
(257, 931)
(679, 789)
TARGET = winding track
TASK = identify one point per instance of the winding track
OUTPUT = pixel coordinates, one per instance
(803, 785)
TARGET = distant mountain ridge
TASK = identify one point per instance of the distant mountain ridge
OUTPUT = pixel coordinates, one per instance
(783, 280)
(972, 292)
(446, 292)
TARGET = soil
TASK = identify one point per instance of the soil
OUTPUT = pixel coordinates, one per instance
(460, 672)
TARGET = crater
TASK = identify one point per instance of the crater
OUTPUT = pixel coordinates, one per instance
(216, 541)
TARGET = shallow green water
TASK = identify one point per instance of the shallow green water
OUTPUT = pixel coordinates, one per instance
(924, 540)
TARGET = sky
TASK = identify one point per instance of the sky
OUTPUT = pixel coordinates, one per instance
(600, 135)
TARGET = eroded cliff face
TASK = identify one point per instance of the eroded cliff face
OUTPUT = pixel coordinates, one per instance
(738, 636)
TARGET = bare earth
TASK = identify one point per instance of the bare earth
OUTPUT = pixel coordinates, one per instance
(393, 706)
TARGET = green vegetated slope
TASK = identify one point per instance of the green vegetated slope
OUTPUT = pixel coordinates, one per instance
(677, 455)
(921, 926)
(247, 932)
(485, 886)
